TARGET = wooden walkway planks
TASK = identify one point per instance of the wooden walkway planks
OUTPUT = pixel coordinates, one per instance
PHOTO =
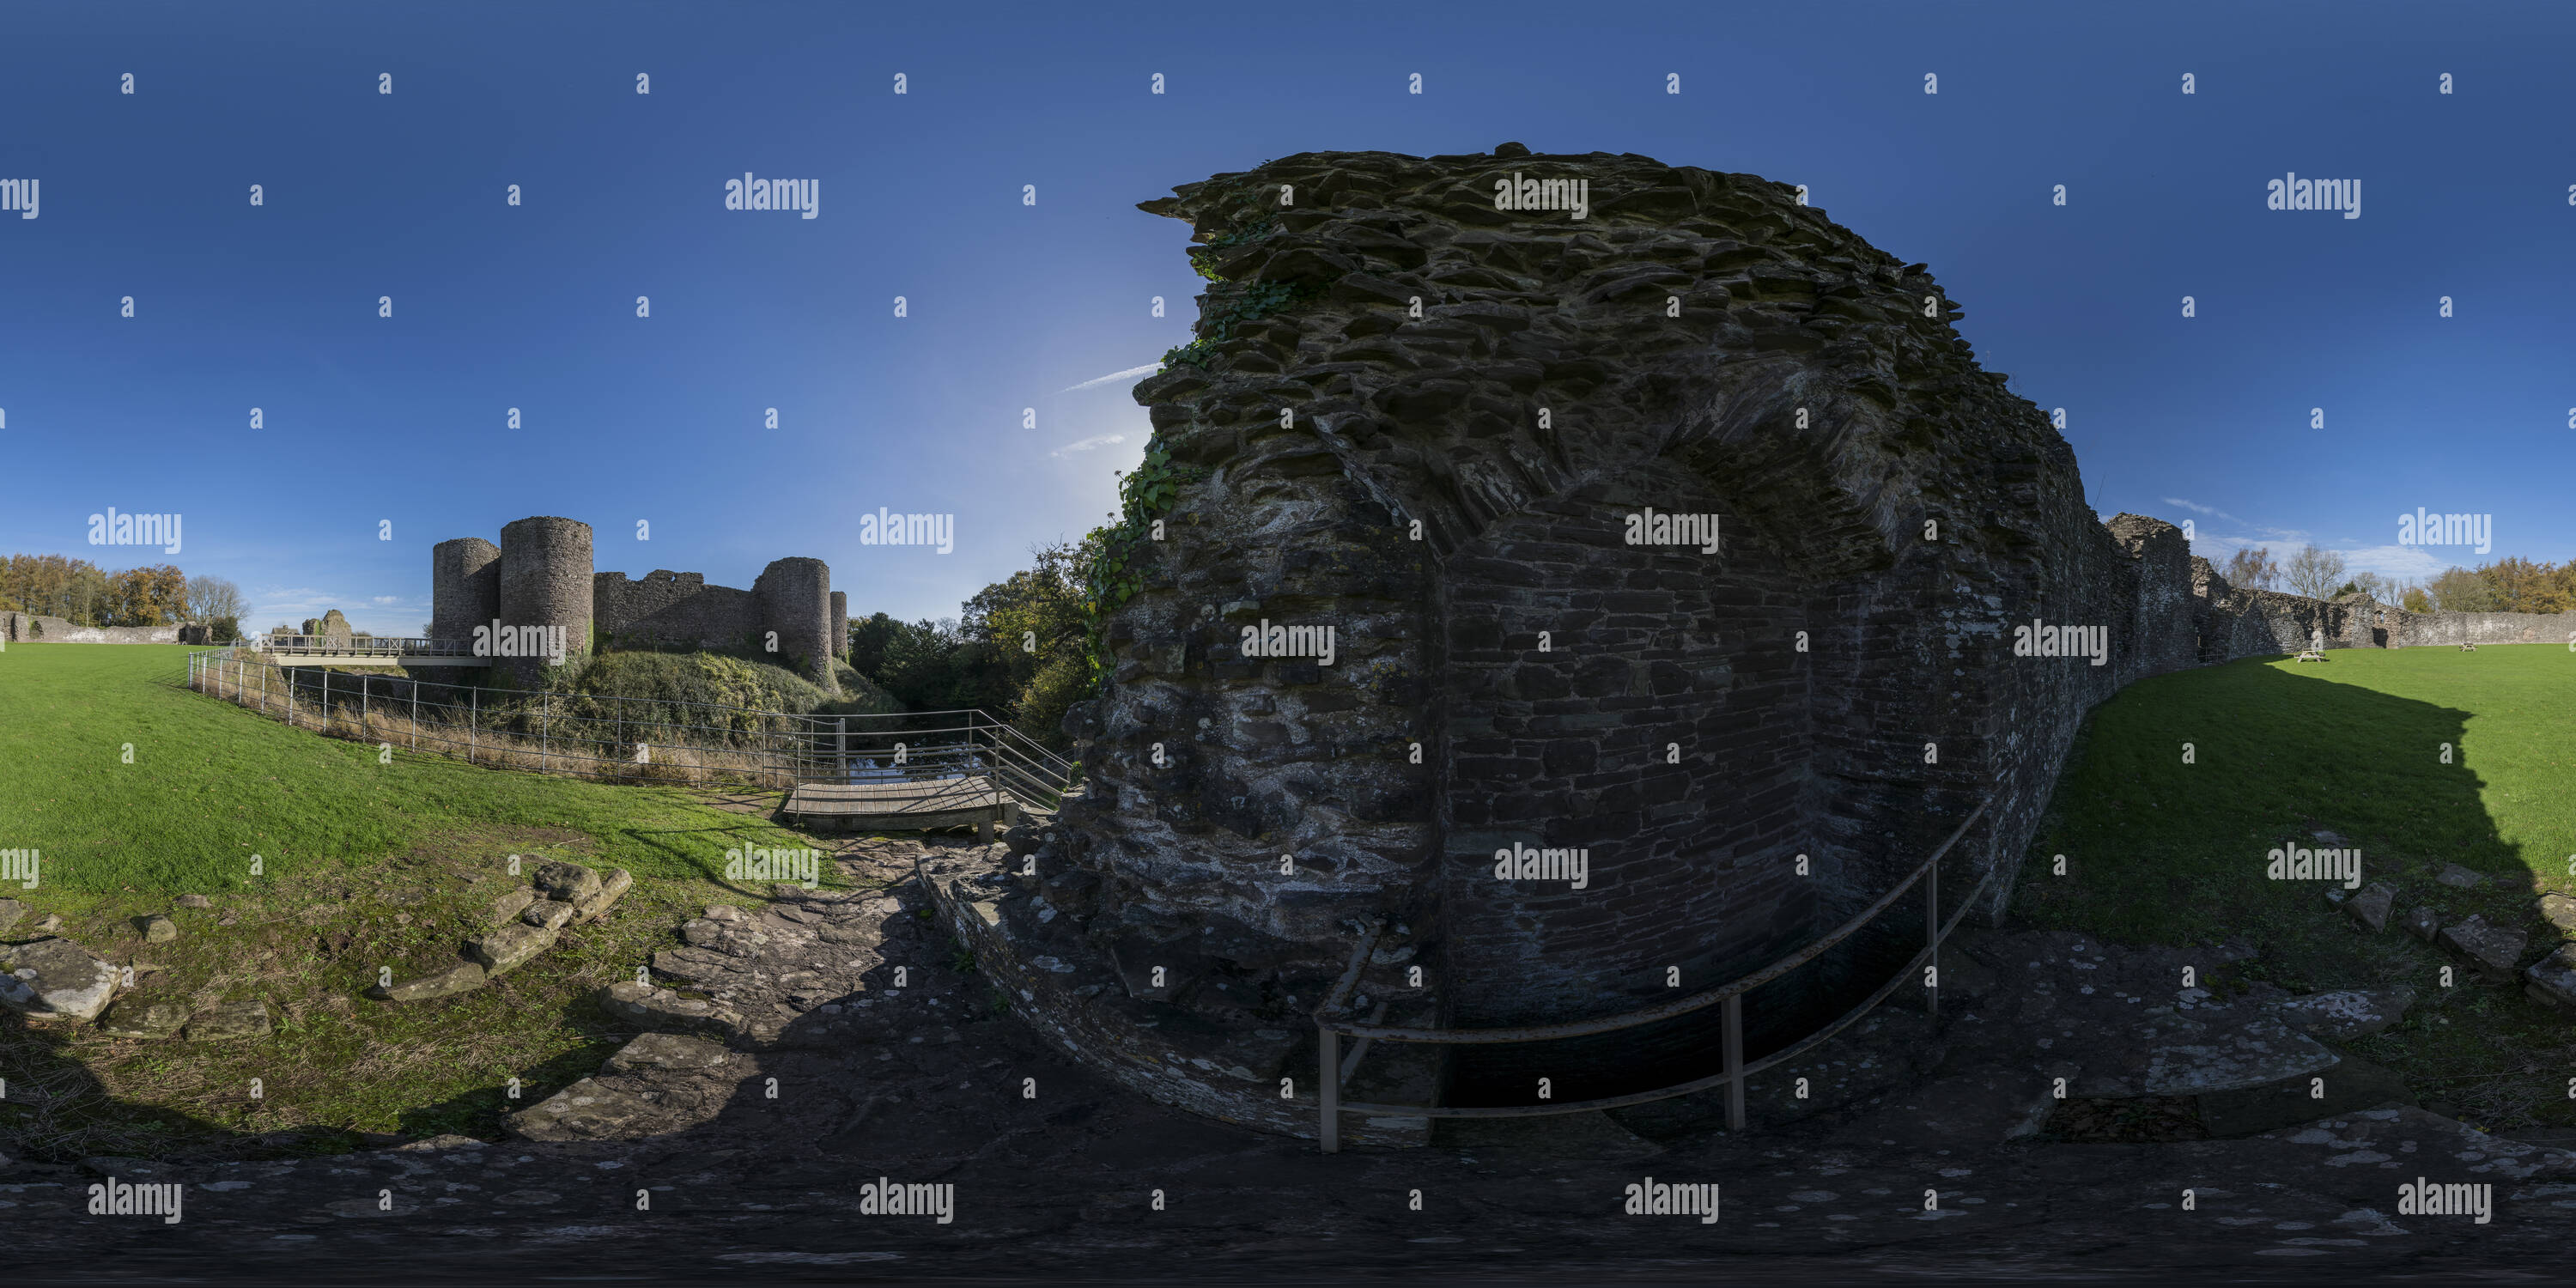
(900, 805)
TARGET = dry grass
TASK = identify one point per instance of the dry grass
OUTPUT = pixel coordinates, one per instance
(694, 763)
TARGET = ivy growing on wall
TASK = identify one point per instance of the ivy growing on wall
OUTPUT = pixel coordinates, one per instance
(1112, 569)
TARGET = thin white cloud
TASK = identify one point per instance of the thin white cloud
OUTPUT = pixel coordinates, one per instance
(1088, 444)
(2198, 508)
(1129, 374)
(2405, 563)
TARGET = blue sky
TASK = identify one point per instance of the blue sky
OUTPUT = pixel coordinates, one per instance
(371, 420)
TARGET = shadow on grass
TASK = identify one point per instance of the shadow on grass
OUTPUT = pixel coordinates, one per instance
(2160, 850)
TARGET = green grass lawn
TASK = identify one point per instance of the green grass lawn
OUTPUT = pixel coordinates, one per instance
(2160, 851)
(362, 865)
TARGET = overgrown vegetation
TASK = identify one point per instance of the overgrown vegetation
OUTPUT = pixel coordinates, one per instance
(1111, 571)
(364, 862)
(1016, 651)
(667, 680)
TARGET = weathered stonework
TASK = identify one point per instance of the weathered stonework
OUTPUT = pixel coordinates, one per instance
(1442, 428)
(35, 628)
(541, 575)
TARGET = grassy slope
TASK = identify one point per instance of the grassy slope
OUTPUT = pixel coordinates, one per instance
(2163, 852)
(365, 865)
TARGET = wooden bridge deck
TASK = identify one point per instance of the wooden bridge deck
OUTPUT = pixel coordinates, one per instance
(899, 805)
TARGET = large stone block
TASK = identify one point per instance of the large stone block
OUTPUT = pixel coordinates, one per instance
(2493, 949)
(504, 950)
(55, 979)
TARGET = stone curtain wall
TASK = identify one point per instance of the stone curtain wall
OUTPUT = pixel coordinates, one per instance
(2415, 630)
(673, 608)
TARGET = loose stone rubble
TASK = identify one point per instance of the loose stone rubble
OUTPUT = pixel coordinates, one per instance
(524, 925)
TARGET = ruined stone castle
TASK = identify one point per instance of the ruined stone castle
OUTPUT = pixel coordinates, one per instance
(541, 575)
(1489, 442)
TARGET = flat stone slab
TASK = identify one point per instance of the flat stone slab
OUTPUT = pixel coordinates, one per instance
(2460, 878)
(2551, 981)
(232, 1021)
(547, 914)
(507, 907)
(505, 950)
(10, 911)
(569, 882)
(2493, 949)
(2371, 906)
(661, 1008)
(132, 1017)
(586, 1110)
(2259, 1051)
(463, 977)
(55, 979)
(2560, 911)
(667, 1051)
(2352, 1013)
(656, 1084)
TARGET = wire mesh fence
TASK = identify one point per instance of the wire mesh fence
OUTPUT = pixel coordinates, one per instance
(612, 738)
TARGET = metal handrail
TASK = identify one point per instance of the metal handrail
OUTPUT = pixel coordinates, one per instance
(1331, 1027)
(968, 742)
(1661, 1010)
(372, 646)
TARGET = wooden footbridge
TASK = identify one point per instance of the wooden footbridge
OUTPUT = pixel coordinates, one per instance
(946, 769)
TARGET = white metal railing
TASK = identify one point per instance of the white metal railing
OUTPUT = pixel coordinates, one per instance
(1333, 1023)
(620, 738)
(359, 646)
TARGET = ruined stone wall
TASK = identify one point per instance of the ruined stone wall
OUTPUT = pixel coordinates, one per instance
(36, 628)
(673, 608)
(541, 575)
(2413, 630)
(1430, 423)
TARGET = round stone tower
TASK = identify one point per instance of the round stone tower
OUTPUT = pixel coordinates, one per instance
(464, 587)
(545, 581)
(839, 640)
(794, 598)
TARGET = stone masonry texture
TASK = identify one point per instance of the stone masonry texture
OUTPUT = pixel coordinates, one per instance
(541, 575)
(1436, 426)
(545, 581)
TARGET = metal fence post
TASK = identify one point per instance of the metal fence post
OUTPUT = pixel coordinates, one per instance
(841, 750)
(1328, 1087)
(1932, 935)
(473, 720)
(1734, 1054)
(323, 723)
(545, 732)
